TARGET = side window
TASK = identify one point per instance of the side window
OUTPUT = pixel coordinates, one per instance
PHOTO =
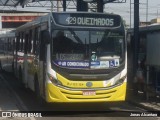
(35, 41)
(21, 42)
(11, 48)
(17, 43)
(9, 45)
(14, 45)
(29, 41)
(26, 43)
(32, 41)
(42, 46)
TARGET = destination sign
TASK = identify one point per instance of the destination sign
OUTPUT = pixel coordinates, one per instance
(87, 19)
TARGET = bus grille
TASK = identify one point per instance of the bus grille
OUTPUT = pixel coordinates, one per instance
(100, 94)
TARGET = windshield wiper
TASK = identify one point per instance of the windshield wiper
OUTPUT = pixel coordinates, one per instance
(75, 36)
(109, 32)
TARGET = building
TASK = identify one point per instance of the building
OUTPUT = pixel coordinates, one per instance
(156, 20)
(9, 21)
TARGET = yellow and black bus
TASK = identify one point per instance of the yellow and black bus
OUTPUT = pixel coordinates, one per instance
(73, 57)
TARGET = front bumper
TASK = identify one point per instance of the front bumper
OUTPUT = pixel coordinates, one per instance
(58, 94)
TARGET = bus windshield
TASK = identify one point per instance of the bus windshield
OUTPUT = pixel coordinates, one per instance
(87, 49)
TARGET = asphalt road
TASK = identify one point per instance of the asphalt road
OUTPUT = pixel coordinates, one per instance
(26, 101)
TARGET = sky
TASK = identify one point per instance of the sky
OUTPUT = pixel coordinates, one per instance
(123, 9)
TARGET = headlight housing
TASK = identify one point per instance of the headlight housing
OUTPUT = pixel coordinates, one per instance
(54, 80)
(120, 81)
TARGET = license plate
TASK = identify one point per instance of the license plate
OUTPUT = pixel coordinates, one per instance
(89, 93)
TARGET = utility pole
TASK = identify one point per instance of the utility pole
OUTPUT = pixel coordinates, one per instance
(146, 12)
(82, 5)
(130, 13)
(64, 5)
(136, 35)
(100, 5)
(58, 5)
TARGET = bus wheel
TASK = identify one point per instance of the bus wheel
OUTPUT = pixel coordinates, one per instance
(37, 91)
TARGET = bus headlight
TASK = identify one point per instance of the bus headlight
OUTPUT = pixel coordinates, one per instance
(54, 80)
(120, 81)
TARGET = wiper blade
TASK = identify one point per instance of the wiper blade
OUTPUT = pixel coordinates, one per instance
(75, 36)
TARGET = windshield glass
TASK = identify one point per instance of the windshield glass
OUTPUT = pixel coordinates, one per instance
(87, 49)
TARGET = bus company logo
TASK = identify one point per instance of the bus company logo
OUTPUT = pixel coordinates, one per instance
(89, 84)
(6, 114)
(93, 57)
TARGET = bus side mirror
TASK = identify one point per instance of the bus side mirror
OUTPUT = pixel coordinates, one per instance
(46, 37)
